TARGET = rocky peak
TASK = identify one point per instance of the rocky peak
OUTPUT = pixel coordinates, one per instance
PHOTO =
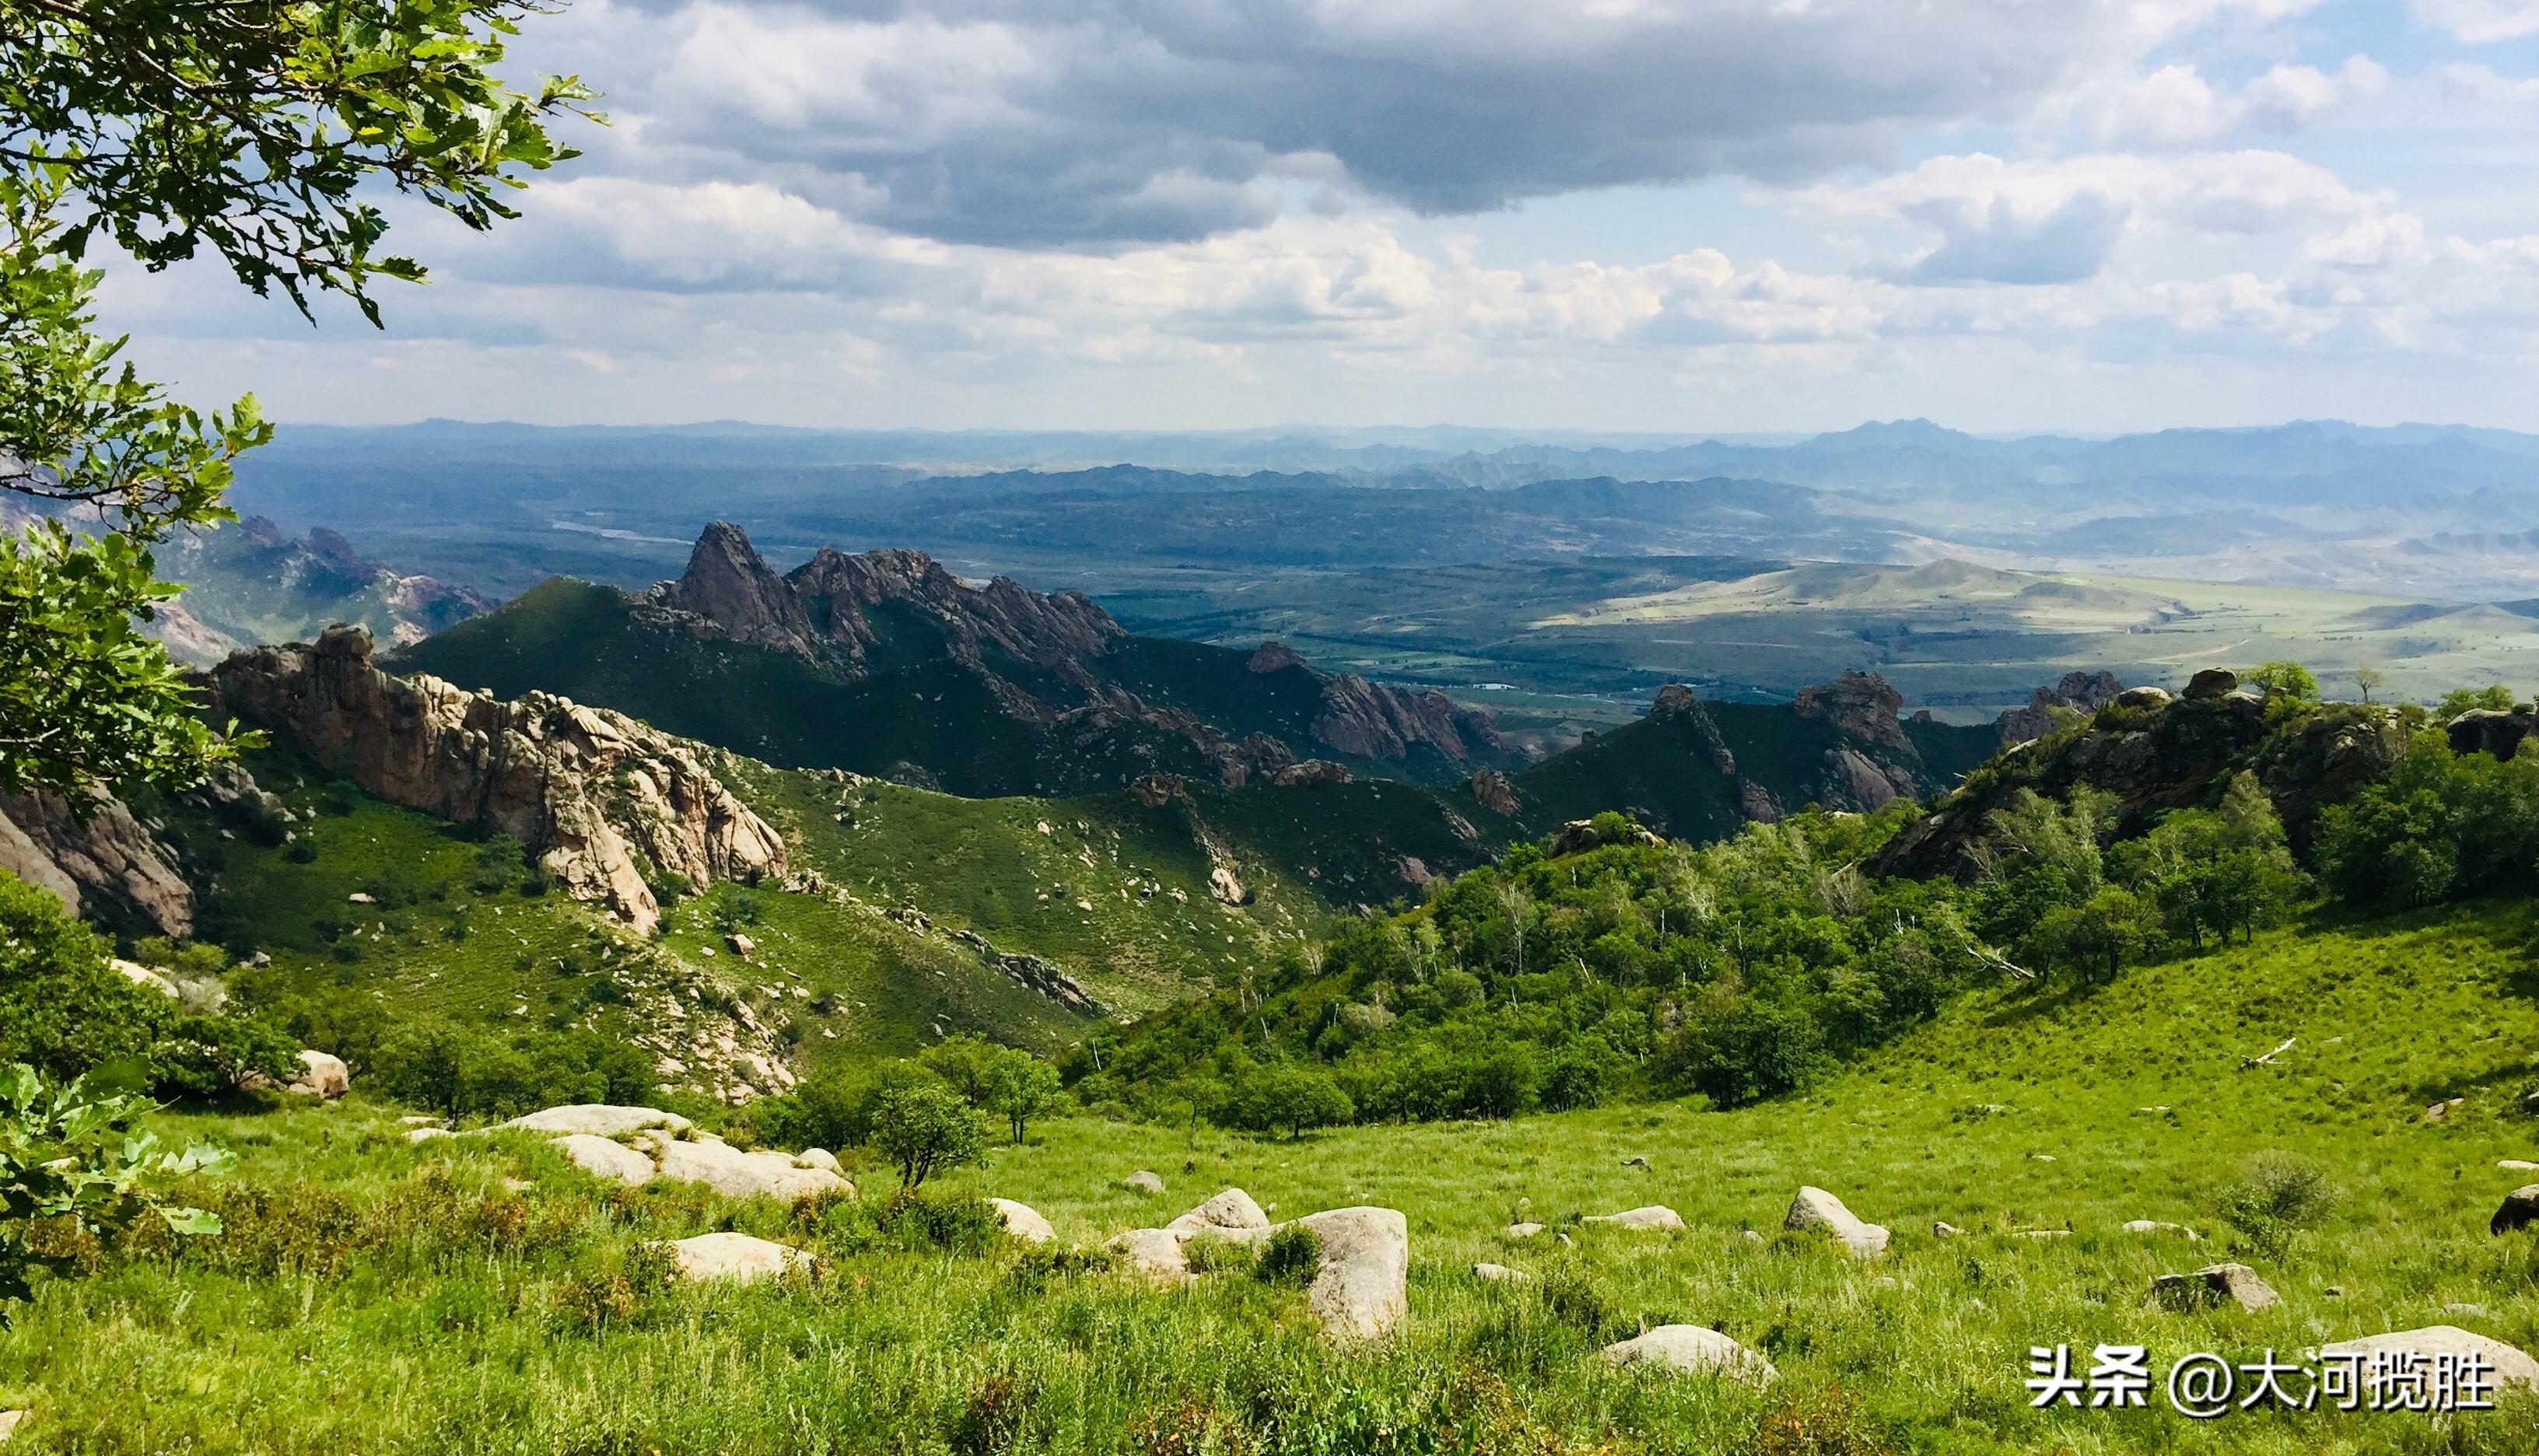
(1674, 700)
(727, 584)
(1862, 705)
(1372, 720)
(1274, 656)
(600, 799)
(2083, 692)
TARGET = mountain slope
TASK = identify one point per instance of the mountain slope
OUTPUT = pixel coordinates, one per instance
(886, 665)
(247, 584)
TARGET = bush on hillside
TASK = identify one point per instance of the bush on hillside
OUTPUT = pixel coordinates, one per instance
(469, 1071)
(1286, 1099)
(2441, 826)
(67, 1013)
(2276, 1199)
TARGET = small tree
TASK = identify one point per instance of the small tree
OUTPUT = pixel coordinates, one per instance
(67, 1154)
(2366, 679)
(1290, 1097)
(922, 1125)
(1024, 1088)
(2282, 680)
(2097, 934)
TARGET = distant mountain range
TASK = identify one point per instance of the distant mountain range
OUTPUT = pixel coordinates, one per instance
(2310, 502)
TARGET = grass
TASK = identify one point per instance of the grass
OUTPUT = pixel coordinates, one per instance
(391, 1298)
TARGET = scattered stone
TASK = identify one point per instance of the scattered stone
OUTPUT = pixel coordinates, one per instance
(2518, 1165)
(1521, 1231)
(1751, 1236)
(2442, 1110)
(2041, 1233)
(2511, 1366)
(1943, 1230)
(1153, 1252)
(1815, 1208)
(1655, 1215)
(817, 1157)
(736, 1174)
(322, 1075)
(1362, 1289)
(1231, 1211)
(1693, 1350)
(1499, 1274)
(359, 898)
(2153, 1225)
(599, 1119)
(607, 1159)
(1635, 1162)
(738, 1257)
(2211, 1286)
(2043, 1157)
(9, 1422)
(1142, 1180)
(2520, 1208)
(1023, 1222)
(741, 946)
(2334, 1291)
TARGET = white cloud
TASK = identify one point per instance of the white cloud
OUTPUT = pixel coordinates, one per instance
(2176, 106)
(2479, 22)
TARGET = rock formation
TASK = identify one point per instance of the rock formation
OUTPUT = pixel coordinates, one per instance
(597, 797)
(107, 862)
(2488, 730)
(2080, 692)
(1815, 1208)
(1691, 1350)
(2209, 1286)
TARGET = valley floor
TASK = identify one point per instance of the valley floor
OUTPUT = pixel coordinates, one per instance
(379, 1297)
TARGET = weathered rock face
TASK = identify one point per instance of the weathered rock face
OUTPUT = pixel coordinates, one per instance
(597, 796)
(1373, 720)
(1815, 1208)
(2081, 692)
(1361, 1289)
(1492, 790)
(1060, 631)
(2211, 682)
(1862, 705)
(109, 862)
(728, 584)
(2485, 731)
(1311, 771)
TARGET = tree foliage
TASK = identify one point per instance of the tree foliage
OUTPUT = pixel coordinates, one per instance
(256, 131)
(71, 1156)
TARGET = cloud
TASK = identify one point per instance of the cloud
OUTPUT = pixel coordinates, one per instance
(1981, 219)
(1059, 123)
(2479, 22)
(2175, 106)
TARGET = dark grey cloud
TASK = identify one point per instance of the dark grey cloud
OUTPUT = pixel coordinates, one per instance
(1095, 123)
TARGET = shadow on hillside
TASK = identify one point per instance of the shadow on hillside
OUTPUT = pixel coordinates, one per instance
(2513, 1077)
(2039, 998)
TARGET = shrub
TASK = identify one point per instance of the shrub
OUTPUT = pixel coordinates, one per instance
(1290, 1256)
(1747, 1049)
(1287, 1096)
(1208, 1254)
(954, 1222)
(1582, 1073)
(70, 1158)
(2276, 1199)
(465, 1071)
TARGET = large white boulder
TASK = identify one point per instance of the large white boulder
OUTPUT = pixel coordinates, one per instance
(1231, 1211)
(2511, 1366)
(1142, 1180)
(1815, 1208)
(738, 1257)
(614, 1161)
(818, 1157)
(1693, 1348)
(599, 1119)
(1023, 1222)
(321, 1074)
(1361, 1289)
(1655, 1215)
(736, 1174)
(1153, 1252)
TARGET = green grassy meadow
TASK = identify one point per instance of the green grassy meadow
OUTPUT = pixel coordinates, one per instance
(374, 1297)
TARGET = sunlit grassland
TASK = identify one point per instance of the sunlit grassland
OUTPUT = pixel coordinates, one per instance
(441, 1328)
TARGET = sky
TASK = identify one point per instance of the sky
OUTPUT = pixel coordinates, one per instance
(1672, 216)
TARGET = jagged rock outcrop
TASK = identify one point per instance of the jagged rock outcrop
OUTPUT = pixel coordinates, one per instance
(2488, 730)
(1372, 720)
(727, 584)
(2175, 755)
(1492, 790)
(1862, 705)
(597, 797)
(1035, 973)
(110, 861)
(1274, 656)
(2080, 692)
